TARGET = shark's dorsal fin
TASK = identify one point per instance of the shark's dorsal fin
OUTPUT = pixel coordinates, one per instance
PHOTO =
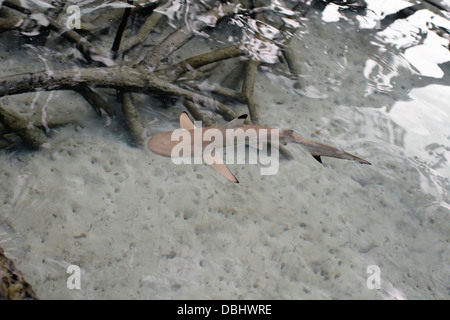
(185, 122)
(236, 122)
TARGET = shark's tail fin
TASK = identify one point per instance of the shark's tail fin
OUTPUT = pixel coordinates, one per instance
(341, 154)
(319, 150)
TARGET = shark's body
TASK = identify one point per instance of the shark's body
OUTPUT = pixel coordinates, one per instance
(164, 144)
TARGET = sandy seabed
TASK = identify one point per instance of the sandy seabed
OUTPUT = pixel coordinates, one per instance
(140, 227)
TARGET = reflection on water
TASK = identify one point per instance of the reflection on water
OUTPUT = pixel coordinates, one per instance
(363, 78)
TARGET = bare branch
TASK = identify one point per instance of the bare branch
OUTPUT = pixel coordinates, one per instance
(248, 88)
(204, 59)
(180, 36)
(125, 79)
(89, 51)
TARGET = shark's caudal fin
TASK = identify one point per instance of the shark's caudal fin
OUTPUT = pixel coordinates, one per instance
(186, 123)
(319, 150)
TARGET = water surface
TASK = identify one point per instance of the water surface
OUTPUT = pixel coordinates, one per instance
(141, 227)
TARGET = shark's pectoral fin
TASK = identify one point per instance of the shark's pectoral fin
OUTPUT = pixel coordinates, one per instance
(220, 167)
(223, 170)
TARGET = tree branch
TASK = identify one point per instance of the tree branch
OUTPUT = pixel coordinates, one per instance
(180, 36)
(204, 59)
(125, 79)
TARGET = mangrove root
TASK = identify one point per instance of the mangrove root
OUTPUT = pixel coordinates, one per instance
(12, 284)
(145, 74)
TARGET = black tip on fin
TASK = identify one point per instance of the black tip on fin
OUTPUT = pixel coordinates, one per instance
(244, 116)
(318, 158)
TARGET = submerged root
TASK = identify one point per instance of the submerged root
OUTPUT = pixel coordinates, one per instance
(30, 134)
(150, 73)
(12, 285)
(249, 87)
(133, 120)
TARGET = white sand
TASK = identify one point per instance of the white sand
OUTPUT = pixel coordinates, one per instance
(140, 227)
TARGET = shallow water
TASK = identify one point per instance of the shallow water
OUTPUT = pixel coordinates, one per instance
(141, 227)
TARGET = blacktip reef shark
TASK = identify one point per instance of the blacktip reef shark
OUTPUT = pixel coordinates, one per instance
(164, 144)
